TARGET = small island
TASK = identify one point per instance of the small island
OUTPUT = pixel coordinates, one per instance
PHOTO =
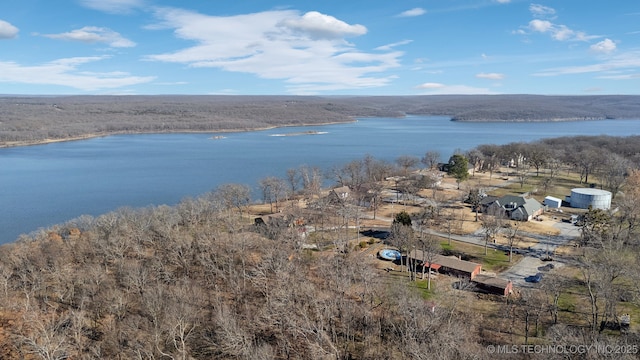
(310, 132)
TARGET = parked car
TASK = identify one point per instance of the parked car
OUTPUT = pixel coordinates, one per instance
(534, 278)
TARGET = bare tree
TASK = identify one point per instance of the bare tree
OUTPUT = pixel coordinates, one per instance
(273, 190)
(293, 179)
(311, 181)
(537, 156)
(430, 250)
(475, 160)
(492, 222)
(234, 196)
(512, 237)
(614, 171)
(431, 159)
(406, 163)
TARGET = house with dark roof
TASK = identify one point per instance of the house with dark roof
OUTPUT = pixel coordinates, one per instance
(339, 195)
(517, 208)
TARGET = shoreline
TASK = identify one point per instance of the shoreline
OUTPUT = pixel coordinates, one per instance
(22, 143)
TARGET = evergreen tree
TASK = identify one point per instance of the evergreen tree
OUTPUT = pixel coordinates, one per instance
(459, 168)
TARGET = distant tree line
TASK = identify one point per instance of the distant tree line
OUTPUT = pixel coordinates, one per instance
(25, 120)
(603, 161)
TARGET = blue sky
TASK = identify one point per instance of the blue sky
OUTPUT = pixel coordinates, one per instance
(348, 47)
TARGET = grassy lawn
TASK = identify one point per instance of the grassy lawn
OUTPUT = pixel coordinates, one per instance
(421, 286)
(494, 261)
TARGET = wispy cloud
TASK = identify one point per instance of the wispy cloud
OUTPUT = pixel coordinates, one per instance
(629, 61)
(412, 12)
(7, 31)
(490, 76)
(631, 76)
(542, 11)
(279, 44)
(113, 6)
(92, 34)
(542, 24)
(391, 46)
(557, 31)
(66, 72)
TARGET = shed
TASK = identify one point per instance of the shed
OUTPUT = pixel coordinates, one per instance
(493, 285)
(552, 202)
(449, 265)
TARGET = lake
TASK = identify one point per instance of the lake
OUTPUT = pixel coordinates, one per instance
(44, 185)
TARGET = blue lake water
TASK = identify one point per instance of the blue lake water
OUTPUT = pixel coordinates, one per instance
(49, 184)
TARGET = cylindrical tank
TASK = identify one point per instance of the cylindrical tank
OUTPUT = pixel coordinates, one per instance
(582, 198)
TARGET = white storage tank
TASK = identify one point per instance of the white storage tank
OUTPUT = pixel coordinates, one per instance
(582, 198)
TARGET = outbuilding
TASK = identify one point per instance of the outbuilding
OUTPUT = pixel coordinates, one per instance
(493, 285)
(449, 265)
(552, 202)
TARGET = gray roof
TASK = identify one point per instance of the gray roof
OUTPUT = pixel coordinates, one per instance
(525, 207)
(508, 199)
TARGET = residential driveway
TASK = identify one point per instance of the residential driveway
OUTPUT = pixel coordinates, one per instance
(532, 262)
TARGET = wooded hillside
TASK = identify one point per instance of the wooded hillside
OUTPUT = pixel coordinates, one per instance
(28, 120)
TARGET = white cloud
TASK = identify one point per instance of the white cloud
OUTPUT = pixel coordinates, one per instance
(321, 26)
(628, 61)
(562, 33)
(391, 46)
(620, 77)
(490, 76)
(308, 52)
(413, 12)
(557, 32)
(430, 85)
(541, 11)
(7, 31)
(540, 25)
(65, 72)
(605, 46)
(92, 34)
(503, 1)
(442, 89)
(113, 6)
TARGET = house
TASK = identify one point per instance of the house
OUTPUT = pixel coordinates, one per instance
(449, 265)
(340, 194)
(493, 285)
(517, 207)
(280, 220)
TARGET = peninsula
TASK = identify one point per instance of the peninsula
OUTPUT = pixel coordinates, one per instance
(27, 120)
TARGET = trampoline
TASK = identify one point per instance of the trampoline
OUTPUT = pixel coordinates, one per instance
(389, 254)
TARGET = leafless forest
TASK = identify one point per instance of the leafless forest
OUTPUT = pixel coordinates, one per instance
(27, 120)
(201, 280)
